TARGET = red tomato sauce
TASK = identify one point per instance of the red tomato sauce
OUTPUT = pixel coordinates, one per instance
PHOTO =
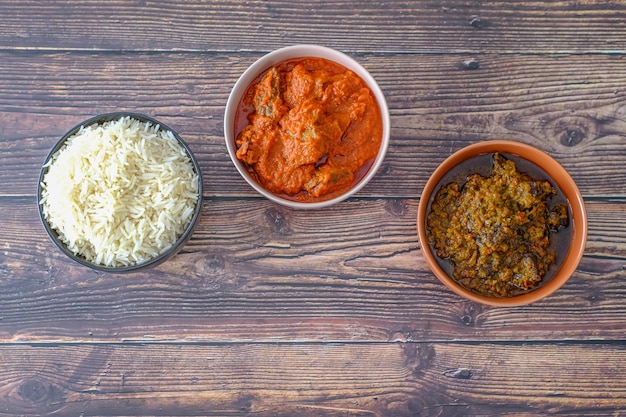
(308, 129)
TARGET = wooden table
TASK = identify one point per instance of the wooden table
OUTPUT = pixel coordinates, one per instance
(270, 311)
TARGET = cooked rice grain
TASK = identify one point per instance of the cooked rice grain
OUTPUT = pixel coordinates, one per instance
(120, 193)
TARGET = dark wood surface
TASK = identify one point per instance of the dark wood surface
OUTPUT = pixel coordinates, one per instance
(270, 311)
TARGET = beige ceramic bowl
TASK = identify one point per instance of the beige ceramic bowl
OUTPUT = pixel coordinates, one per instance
(558, 176)
(273, 58)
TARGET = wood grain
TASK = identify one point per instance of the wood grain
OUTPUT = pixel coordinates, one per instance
(573, 107)
(275, 312)
(383, 380)
(457, 26)
(254, 271)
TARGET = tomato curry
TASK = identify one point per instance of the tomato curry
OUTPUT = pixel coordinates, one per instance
(308, 129)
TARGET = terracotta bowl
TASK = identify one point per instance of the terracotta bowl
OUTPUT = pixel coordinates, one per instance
(573, 247)
(266, 62)
(168, 253)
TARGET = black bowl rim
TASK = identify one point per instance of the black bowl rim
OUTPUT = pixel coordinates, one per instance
(157, 260)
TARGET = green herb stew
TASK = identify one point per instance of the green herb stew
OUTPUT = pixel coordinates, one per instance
(496, 229)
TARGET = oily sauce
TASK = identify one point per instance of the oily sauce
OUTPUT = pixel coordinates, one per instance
(498, 226)
(308, 129)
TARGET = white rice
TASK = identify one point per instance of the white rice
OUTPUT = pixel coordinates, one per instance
(120, 193)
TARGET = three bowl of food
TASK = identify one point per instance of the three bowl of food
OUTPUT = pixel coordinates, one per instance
(120, 192)
(502, 223)
(306, 126)
(499, 222)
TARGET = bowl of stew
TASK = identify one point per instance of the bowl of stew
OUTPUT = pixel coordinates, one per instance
(502, 223)
(306, 126)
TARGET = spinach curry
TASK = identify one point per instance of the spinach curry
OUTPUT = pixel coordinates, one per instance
(496, 229)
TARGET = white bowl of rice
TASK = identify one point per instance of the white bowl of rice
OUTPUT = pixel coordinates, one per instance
(120, 192)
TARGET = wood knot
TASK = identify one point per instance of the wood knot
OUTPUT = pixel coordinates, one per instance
(246, 402)
(37, 391)
(419, 357)
(572, 137)
(277, 221)
(459, 373)
(471, 314)
(212, 265)
(398, 208)
(593, 294)
(477, 22)
(572, 131)
(402, 335)
(470, 64)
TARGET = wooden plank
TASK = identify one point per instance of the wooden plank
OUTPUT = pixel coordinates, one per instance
(573, 107)
(450, 26)
(314, 380)
(275, 312)
(256, 272)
